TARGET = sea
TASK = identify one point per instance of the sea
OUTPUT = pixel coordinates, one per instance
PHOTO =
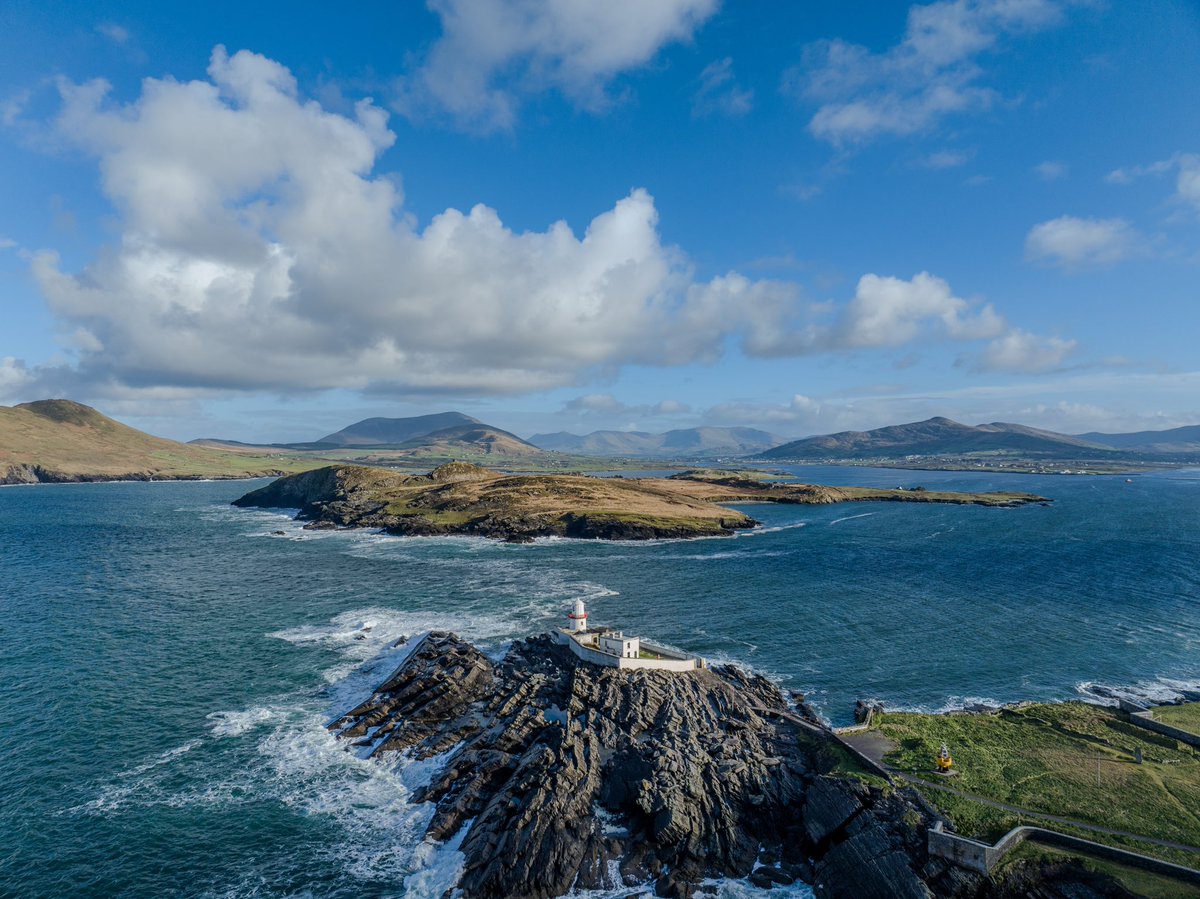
(168, 662)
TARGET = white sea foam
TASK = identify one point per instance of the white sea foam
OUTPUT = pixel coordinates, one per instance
(436, 866)
(1146, 692)
(852, 517)
(234, 724)
(128, 786)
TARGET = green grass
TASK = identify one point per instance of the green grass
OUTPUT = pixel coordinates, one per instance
(1139, 882)
(1185, 717)
(1068, 759)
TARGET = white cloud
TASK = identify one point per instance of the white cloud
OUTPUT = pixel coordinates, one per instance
(259, 251)
(492, 52)
(12, 106)
(933, 72)
(1187, 178)
(1051, 170)
(886, 312)
(719, 92)
(1075, 243)
(15, 380)
(946, 159)
(1021, 352)
(7, 243)
(118, 34)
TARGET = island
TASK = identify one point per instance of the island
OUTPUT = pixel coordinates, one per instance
(461, 498)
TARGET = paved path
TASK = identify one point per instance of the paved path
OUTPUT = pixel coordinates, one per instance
(875, 746)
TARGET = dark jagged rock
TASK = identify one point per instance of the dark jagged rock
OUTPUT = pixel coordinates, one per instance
(572, 776)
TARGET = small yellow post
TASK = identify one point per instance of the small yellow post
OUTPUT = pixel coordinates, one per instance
(943, 760)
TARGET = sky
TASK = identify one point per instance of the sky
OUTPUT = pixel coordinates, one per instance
(266, 222)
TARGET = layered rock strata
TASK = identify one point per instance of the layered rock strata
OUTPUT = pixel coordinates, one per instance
(570, 776)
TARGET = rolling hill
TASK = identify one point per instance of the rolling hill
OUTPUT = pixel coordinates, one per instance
(938, 437)
(61, 440)
(685, 442)
(428, 438)
(396, 431)
(1176, 440)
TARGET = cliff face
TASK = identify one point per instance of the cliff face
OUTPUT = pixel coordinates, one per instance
(571, 776)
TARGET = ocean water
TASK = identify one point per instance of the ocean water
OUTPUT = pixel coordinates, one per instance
(167, 662)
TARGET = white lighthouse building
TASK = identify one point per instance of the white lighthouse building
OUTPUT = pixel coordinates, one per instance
(609, 647)
(578, 618)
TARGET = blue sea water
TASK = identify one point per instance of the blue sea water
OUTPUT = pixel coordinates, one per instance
(167, 662)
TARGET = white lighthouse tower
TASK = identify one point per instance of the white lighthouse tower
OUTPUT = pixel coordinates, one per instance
(578, 617)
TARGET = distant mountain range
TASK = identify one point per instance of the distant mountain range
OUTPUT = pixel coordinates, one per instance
(938, 437)
(394, 431)
(683, 443)
(64, 440)
(441, 434)
(1175, 440)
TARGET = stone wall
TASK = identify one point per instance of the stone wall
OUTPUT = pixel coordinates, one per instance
(678, 663)
(981, 857)
(1145, 720)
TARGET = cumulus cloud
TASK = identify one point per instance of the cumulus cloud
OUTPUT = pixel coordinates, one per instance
(886, 312)
(719, 92)
(14, 378)
(1076, 243)
(7, 243)
(492, 52)
(1021, 352)
(933, 72)
(259, 250)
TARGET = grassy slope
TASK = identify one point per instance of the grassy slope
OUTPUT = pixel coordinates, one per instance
(457, 501)
(1046, 757)
(1139, 882)
(72, 440)
(461, 493)
(1185, 717)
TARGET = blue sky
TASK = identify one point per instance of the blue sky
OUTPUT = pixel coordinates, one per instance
(569, 216)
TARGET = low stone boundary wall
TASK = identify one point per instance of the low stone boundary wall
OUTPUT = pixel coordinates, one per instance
(1146, 721)
(981, 857)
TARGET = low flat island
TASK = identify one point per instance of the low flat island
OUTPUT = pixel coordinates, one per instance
(459, 498)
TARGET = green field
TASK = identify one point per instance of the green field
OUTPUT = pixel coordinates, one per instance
(1139, 882)
(1185, 717)
(1069, 759)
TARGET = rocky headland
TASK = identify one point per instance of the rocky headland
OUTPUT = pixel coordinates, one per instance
(566, 775)
(60, 441)
(460, 498)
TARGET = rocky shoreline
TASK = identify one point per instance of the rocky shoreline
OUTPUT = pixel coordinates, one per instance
(459, 498)
(19, 475)
(566, 775)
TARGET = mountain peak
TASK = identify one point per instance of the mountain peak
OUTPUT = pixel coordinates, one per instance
(64, 411)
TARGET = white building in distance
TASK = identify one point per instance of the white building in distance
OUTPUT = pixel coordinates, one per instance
(611, 648)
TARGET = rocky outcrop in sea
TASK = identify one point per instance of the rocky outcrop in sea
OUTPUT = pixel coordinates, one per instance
(570, 776)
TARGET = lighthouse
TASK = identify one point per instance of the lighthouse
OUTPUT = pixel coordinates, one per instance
(578, 617)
